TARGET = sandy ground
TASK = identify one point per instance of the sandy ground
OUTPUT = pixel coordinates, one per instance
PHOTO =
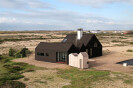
(111, 55)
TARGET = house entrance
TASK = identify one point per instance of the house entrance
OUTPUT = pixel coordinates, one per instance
(61, 57)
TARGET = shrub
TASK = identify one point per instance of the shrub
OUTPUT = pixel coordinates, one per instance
(24, 52)
(15, 69)
(0, 57)
(18, 54)
(1, 41)
(13, 76)
(6, 60)
(129, 50)
(11, 52)
(131, 43)
(115, 41)
(13, 84)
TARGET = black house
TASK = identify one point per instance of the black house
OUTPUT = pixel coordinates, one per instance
(54, 52)
(72, 43)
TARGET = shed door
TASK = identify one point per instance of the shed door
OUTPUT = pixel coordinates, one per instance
(80, 63)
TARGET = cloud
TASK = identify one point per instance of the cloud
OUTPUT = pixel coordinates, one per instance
(23, 4)
(7, 20)
(54, 19)
(109, 22)
(96, 3)
(58, 20)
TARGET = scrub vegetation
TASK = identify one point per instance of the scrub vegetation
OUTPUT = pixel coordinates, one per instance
(129, 50)
(82, 78)
(19, 53)
(12, 71)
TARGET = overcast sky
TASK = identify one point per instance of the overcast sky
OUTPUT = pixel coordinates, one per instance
(66, 14)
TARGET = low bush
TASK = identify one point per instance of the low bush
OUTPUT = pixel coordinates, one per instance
(18, 67)
(1, 41)
(115, 41)
(12, 76)
(19, 53)
(12, 52)
(12, 71)
(13, 84)
(129, 50)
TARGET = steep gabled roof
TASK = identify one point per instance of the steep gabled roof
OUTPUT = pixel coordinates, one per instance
(54, 46)
(72, 38)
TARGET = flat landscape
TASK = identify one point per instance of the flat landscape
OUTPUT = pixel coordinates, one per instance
(103, 71)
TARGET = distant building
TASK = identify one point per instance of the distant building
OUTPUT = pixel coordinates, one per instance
(128, 32)
(72, 43)
(95, 31)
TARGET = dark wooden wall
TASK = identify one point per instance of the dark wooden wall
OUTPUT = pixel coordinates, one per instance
(50, 58)
(96, 51)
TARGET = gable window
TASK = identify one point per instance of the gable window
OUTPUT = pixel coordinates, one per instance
(40, 54)
(47, 54)
(95, 44)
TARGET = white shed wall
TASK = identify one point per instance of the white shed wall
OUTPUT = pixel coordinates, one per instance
(78, 60)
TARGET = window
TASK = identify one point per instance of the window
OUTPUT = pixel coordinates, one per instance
(61, 56)
(40, 54)
(47, 54)
(95, 44)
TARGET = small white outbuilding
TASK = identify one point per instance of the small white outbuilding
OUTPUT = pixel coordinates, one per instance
(78, 60)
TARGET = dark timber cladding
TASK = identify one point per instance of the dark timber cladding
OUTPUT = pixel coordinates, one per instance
(54, 52)
(72, 43)
(88, 43)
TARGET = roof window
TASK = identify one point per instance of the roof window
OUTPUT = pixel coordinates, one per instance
(64, 40)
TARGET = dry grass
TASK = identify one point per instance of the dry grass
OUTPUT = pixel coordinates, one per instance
(44, 79)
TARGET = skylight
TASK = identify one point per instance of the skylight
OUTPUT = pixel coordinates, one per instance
(64, 40)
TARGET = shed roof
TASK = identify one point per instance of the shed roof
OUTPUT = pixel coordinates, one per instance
(54, 46)
(72, 38)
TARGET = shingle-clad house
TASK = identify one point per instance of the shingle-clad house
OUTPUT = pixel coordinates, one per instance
(72, 43)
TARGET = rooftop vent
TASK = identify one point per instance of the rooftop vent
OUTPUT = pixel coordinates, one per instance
(79, 33)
